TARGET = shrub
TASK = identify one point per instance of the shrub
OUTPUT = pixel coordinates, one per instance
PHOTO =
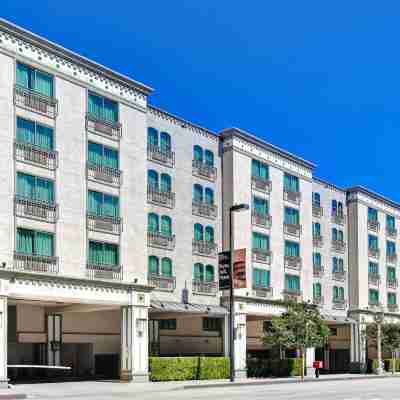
(173, 368)
(213, 368)
(375, 365)
(263, 368)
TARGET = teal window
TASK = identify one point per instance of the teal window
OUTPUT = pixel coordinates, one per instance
(338, 293)
(209, 196)
(152, 222)
(36, 243)
(390, 248)
(317, 292)
(292, 249)
(212, 324)
(154, 265)
(167, 324)
(373, 268)
(337, 235)
(292, 282)
(198, 232)
(34, 79)
(317, 260)
(373, 296)
(291, 183)
(197, 153)
(261, 278)
(209, 234)
(316, 199)
(102, 108)
(260, 241)
(390, 222)
(166, 183)
(392, 300)
(103, 254)
(152, 179)
(166, 267)
(391, 274)
(102, 204)
(337, 265)
(316, 226)
(152, 137)
(372, 242)
(259, 170)
(209, 158)
(166, 225)
(198, 272)
(165, 142)
(292, 216)
(372, 214)
(337, 208)
(102, 155)
(198, 193)
(36, 134)
(209, 277)
(260, 206)
(35, 188)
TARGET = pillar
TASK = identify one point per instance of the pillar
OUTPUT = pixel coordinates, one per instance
(310, 358)
(3, 342)
(240, 344)
(354, 344)
(54, 339)
(134, 344)
(226, 335)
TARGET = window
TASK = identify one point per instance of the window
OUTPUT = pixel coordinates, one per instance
(166, 225)
(153, 222)
(291, 183)
(102, 108)
(102, 155)
(372, 214)
(337, 208)
(35, 188)
(392, 301)
(198, 232)
(209, 158)
(316, 229)
(198, 272)
(197, 153)
(317, 292)
(338, 294)
(152, 179)
(292, 249)
(337, 265)
(390, 222)
(209, 273)
(212, 324)
(373, 268)
(165, 185)
(261, 278)
(372, 242)
(316, 197)
(391, 274)
(167, 324)
(165, 142)
(35, 242)
(259, 170)
(373, 296)
(34, 79)
(260, 241)
(390, 248)
(102, 204)
(154, 265)
(209, 234)
(337, 235)
(209, 196)
(292, 282)
(35, 134)
(292, 216)
(260, 206)
(198, 193)
(152, 137)
(317, 259)
(103, 253)
(166, 267)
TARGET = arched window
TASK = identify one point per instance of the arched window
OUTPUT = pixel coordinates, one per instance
(165, 183)
(198, 272)
(198, 232)
(316, 229)
(209, 234)
(152, 179)
(316, 199)
(166, 225)
(334, 207)
(317, 290)
(152, 138)
(166, 267)
(152, 222)
(335, 265)
(334, 234)
(197, 153)
(153, 265)
(317, 259)
(209, 158)
(340, 236)
(209, 273)
(335, 293)
(209, 196)
(198, 193)
(165, 142)
(341, 293)
(340, 209)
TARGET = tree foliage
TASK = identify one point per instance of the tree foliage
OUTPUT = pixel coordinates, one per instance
(390, 336)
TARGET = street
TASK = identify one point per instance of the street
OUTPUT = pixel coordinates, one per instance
(366, 389)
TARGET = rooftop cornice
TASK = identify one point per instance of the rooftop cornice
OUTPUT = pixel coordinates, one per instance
(373, 195)
(328, 184)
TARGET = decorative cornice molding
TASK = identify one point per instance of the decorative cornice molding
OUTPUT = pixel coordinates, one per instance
(329, 185)
(369, 201)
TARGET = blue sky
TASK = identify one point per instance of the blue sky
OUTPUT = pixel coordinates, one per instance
(318, 78)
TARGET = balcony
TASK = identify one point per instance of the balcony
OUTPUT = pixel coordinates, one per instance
(164, 199)
(202, 209)
(373, 225)
(317, 211)
(339, 276)
(391, 258)
(339, 246)
(338, 218)
(261, 184)
(35, 209)
(292, 197)
(161, 156)
(261, 255)
(318, 241)
(391, 232)
(102, 223)
(339, 304)
(264, 292)
(34, 263)
(318, 301)
(373, 252)
(106, 272)
(393, 307)
(374, 279)
(203, 170)
(34, 155)
(161, 241)
(262, 220)
(36, 102)
(204, 248)
(293, 262)
(109, 129)
(293, 295)
(292, 229)
(167, 283)
(102, 174)
(374, 303)
(201, 287)
(318, 271)
(392, 283)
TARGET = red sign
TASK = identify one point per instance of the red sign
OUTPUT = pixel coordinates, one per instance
(318, 364)
(239, 269)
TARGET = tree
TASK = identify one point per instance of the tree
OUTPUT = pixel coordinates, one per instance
(300, 327)
(390, 339)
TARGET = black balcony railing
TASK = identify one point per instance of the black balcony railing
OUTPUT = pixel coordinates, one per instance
(106, 272)
(167, 283)
(318, 240)
(338, 246)
(391, 258)
(162, 156)
(292, 294)
(393, 307)
(292, 229)
(374, 279)
(317, 210)
(263, 291)
(35, 209)
(339, 304)
(110, 129)
(36, 102)
(102, 223)
(203, 209)
(160, 240)
(373, 225)
(35, 263)
(391, 232)
(260, 219)
(291, 196)
(373, 252)
(201, 287)
(338, 218)
(204, 248)
(261, 184)
(262, 255)
(392, 283)
(293, 262)
(339, 275)
(31, 154)
(203, 170)
(160, 198)
(100, 173)
(318, 271)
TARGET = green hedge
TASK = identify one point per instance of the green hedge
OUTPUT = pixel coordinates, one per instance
(263, 368)
(188, 368)
(389, 364)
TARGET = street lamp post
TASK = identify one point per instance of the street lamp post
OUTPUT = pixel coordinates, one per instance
(234, 208)
(378, 317)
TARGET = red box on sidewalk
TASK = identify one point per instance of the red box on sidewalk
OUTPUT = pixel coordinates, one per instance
(317, 364)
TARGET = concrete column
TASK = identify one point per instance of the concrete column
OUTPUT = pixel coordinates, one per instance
(310, 358)
(362, 340)
(240, 348)
(3, 342)
(354, 344)
(54, 339)
(134, 344)
(226, 335)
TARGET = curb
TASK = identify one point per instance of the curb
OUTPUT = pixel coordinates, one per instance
(12, 396)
